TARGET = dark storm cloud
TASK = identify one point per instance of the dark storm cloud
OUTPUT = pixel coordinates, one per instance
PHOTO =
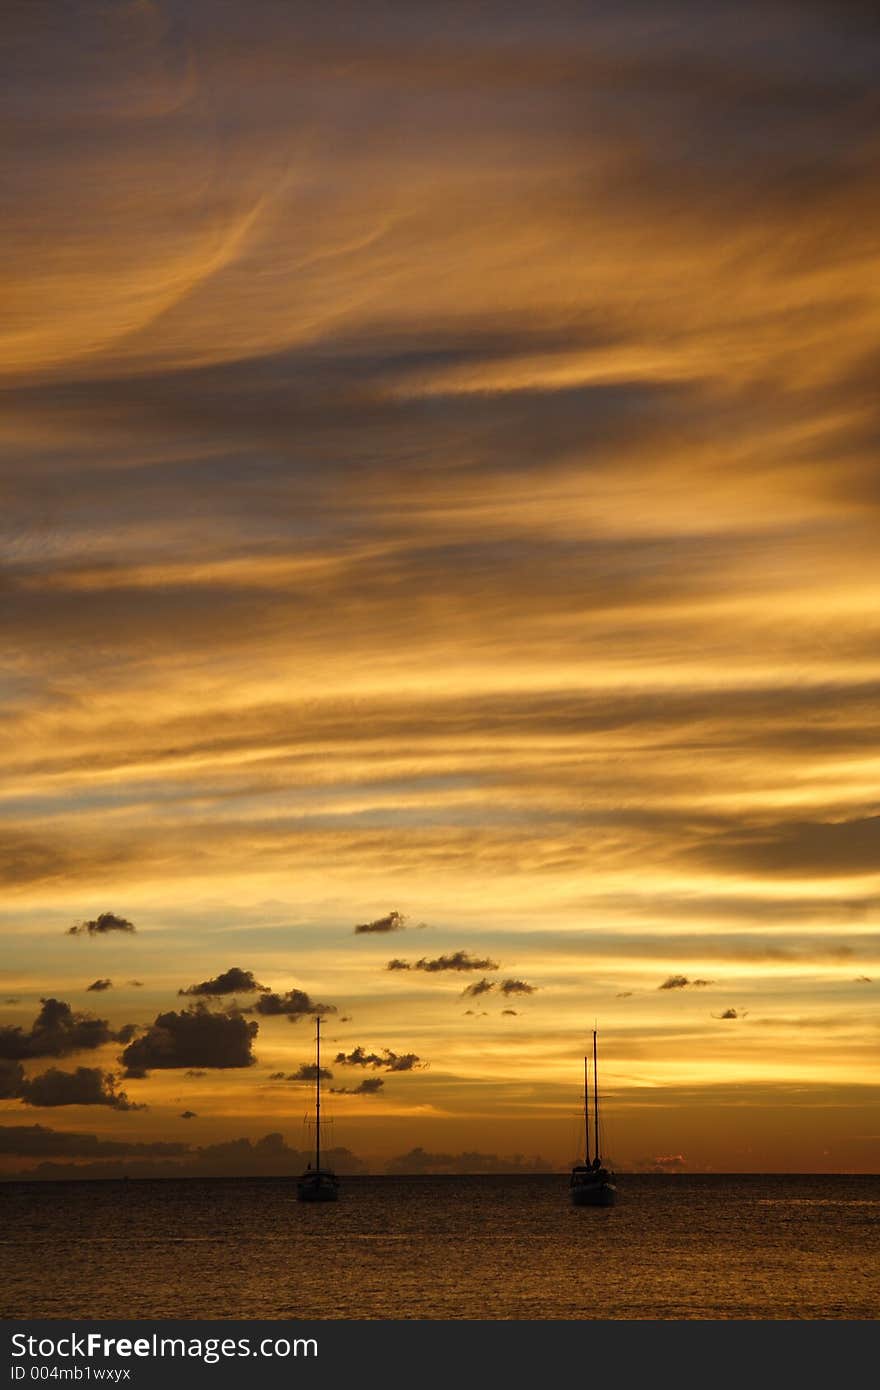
(38, 1141)
(56, 1032)
(195, 1037)
(682, 982)
(394, 921)
(11, 1078)
(99, 985)
(477, 988)
(100, 925)
(85, 1086)
(458, 960)
(294, 1004)
(232, 981)
(387, 1060)
(509, 987)
(370, 1086)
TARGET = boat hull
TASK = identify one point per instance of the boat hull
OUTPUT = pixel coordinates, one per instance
(595, 1195)
(314, 1188)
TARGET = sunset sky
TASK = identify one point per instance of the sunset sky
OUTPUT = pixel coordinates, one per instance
(440, 492)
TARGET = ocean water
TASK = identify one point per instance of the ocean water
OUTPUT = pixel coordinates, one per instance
(443, 1247)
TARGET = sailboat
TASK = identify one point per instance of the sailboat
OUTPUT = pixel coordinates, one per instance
(317, 1184)
(590, 1183)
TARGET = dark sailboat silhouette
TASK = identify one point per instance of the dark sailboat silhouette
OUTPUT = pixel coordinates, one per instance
(317, 1184)
(590, 1183)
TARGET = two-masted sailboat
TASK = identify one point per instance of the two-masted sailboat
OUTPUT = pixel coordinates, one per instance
(590, 1183)
(317, 1184)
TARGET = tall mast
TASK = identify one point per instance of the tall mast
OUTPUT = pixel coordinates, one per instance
(595, 1095)
(587, 1112)
(318, 1093)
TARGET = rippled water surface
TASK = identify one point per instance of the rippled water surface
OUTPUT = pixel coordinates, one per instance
(447, 1247)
